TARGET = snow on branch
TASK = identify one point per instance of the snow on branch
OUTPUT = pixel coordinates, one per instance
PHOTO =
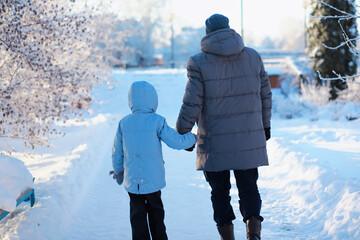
(344, 36)
(347, 16)
(347, 41)
(339, 77)
(336, 9)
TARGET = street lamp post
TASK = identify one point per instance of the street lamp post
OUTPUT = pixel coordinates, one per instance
(242, 20)
(305, 5)
(172, 54)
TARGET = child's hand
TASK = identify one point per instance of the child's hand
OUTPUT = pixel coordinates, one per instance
(190, 149)
(118, 176)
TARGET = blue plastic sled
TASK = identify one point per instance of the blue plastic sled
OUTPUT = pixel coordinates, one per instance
(28, 195)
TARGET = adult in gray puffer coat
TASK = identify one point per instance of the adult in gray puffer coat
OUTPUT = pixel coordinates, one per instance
(228, 95)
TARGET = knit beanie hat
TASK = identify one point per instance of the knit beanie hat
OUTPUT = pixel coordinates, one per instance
(216, 22)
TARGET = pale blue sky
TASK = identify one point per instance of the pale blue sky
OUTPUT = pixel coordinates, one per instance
(261, 17)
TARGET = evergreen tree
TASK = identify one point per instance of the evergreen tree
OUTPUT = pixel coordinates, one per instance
(330, 32)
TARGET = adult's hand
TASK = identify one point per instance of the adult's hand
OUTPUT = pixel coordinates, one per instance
(267, 133)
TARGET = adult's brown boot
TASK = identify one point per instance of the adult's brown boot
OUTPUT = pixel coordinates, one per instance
(253, 228)
(226, 232)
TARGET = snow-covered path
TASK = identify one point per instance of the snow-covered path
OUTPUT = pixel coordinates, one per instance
(307, 192)
(99, 208)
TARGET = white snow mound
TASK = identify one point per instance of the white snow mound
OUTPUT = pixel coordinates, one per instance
(14, 179)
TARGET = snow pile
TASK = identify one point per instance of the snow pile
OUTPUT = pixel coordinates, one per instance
(312, 105)
(298, 99)
(311, 194)
(14, 179)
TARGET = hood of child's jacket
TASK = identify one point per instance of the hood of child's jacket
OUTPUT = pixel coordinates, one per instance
(223, 42)
(142, 97)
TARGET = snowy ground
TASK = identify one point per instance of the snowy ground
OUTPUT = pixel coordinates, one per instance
(311, 190)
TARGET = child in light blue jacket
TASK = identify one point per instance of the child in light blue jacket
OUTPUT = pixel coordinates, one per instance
(137, 159)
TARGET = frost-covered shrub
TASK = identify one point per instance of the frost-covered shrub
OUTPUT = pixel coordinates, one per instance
(298, 97)
(352, 93)
(110, 35)
(290, 106)
(318, 95)
(48, 64)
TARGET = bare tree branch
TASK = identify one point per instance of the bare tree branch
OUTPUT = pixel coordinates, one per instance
(347, 41)
(332, 7)
(339, 77)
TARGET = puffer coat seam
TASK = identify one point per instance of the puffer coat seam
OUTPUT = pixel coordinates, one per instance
(235, 132)
(198, 65)
(231, 114)
(230, 78)
(230, 96)
(238, 151)
(223, 58)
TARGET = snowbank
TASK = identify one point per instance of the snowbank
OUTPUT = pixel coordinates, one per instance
(315, 196)
(14, 179)
(294, 106)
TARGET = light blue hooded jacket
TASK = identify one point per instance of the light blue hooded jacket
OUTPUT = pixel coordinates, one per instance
(137, 146)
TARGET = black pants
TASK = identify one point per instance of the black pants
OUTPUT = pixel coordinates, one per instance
(144, 207)
(250, 201)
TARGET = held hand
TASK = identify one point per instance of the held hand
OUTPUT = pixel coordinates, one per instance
(190, 149)
(267, 133)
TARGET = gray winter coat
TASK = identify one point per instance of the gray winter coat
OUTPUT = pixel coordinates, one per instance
(228, 95)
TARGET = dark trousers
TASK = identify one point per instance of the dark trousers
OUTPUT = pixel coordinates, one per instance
(250, 201)
(144, 207)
